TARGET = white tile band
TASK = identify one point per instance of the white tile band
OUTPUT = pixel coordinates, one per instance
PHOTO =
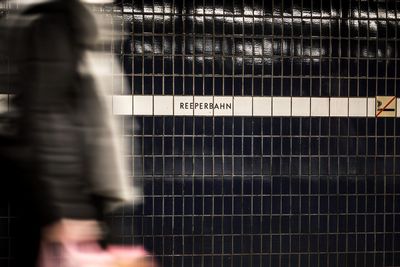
(244, 106)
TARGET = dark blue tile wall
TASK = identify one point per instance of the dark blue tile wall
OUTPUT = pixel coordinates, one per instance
(236, 191)
(244, 191)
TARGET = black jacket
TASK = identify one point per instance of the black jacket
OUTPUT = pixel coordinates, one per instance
(46, 43)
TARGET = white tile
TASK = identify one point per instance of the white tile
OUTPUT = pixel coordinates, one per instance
(122, 105)
(223, 106)
(371, 107)
(339, 107)
(203, 105)
(281, 106)
(320, 106)
(243, 106)
(398, 107)
(301, 106)
(183, 105)
(357, 107)
(163, 105)
(262, 106)
(143, 105)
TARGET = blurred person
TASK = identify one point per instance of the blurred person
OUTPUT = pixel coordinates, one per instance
(59, 143)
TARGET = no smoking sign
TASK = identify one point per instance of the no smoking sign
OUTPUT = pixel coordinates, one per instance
(385, 106)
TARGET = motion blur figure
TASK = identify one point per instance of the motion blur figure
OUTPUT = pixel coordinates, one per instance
(64, 162)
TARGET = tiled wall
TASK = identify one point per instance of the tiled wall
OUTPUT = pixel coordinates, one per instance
(299, 172)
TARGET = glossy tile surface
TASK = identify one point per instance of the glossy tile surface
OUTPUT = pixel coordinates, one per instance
(309, 181)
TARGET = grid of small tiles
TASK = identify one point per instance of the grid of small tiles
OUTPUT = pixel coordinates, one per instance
(263, 191)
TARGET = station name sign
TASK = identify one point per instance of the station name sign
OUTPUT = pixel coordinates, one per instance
(201, 105)
(261, 106)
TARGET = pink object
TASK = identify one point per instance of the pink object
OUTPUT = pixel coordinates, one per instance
(131, 256)
(92, 255)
